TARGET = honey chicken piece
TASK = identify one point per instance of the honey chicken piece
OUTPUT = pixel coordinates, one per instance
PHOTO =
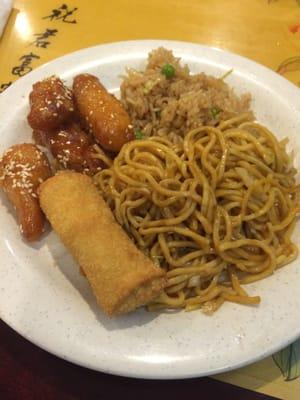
(51, 104)
(101, 113)
(23, 168)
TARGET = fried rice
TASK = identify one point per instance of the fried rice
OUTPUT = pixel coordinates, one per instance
(172, 104)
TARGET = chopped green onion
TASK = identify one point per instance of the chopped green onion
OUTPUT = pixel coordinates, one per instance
(157, 259)
(149, 85)
(226, 74)
(139, 134)
(168, 71)
(214, 112)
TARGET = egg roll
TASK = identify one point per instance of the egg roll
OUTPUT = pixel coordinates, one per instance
(121, 276)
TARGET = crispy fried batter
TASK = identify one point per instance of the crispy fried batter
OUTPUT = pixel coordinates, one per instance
(51, 104)
(22, 169)
(68, 145)
(72, 148)
(121, 276)
(41, 137)
(102, 114)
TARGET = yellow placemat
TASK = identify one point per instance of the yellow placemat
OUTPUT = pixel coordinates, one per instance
(267, 31)
(263, 377)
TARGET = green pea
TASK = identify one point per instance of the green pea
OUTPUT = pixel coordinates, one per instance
(139, 134)
(168, 71)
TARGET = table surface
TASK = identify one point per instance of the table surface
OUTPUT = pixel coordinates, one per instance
(267, 31)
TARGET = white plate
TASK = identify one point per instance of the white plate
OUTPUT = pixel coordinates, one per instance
(45, 299)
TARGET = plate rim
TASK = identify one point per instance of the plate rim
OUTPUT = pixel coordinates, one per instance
(155, 42)
(29, 78)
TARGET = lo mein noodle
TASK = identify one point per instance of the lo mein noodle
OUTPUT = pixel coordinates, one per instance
(215, 210)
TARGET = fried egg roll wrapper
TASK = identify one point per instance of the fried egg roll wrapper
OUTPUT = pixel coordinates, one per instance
(121, 276)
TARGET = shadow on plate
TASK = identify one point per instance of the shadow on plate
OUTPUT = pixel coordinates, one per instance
(71, 271)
